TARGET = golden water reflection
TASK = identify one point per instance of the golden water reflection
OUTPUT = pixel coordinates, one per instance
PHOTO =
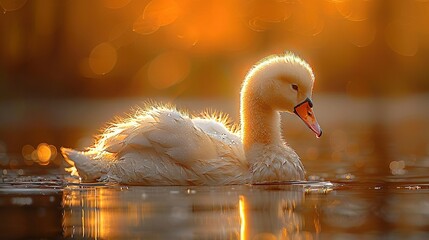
(237, 212)
(352, 210)
(313, 211)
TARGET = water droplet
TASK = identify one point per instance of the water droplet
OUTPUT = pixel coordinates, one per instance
(413, 187)
(191, 191)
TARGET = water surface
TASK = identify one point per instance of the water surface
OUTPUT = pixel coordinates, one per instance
(49, 207)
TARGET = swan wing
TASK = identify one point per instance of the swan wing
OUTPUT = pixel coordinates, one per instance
(166, 133)
(165, 146)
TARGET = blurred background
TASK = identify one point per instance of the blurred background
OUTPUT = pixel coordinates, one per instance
(67, 67)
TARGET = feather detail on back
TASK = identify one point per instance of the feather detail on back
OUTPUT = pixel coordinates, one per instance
(161, 145)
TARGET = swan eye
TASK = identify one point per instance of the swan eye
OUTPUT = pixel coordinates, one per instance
(295, 87)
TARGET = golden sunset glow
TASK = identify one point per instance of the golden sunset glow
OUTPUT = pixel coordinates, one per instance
(157, 45)
(113, 80)
(242, 211)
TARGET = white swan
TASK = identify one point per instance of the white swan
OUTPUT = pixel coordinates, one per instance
(162, 146)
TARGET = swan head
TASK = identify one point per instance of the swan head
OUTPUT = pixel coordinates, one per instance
(284, 83)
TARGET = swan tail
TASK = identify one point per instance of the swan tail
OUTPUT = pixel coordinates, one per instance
(83, 165)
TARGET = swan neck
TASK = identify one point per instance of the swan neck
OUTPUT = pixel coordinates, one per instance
(260, 124)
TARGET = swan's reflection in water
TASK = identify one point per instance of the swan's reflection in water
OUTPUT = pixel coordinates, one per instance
(271, 212)
(231, 212)
(354, 211)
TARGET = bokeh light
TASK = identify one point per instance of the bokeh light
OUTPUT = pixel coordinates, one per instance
(157, 13)
(102, 58)
(361, 33)
(402, 38)
(43, 154)
(27, 151)
(397, 167)
(138, 31)
(12, 5)
(355, 10)
(264, 13)
(168, 69)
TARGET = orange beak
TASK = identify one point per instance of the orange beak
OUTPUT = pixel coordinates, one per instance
(305, 112)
